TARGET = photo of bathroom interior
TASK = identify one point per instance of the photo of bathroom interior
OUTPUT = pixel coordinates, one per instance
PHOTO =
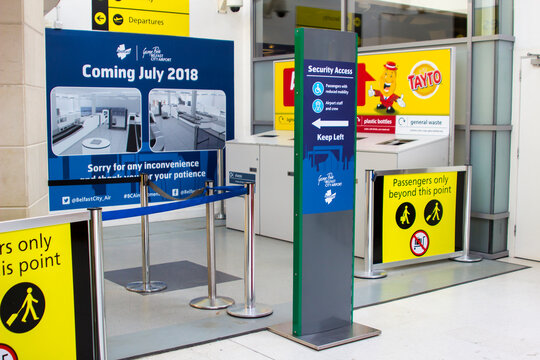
(187, 119)
(90, 121)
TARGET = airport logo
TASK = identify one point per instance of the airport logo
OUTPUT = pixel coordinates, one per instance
(122, 52)
(328, 180)
(329, 196)
(66, 200)
(155, 54)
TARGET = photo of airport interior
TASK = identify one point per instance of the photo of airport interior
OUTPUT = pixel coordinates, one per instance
(187, 120)
(95, 121)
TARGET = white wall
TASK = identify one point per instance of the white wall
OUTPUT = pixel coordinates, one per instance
(205, 22)
(527, 34)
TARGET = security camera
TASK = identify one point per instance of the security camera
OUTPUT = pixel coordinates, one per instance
(234, 5)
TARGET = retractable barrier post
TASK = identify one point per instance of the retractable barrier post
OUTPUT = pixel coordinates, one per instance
(211, 302)
(466, 257)
(220, 181)
(368, 272)
(98, 303)
(145, 286)
(249, 309)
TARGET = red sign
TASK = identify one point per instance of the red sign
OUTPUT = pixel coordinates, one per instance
(288, 87)
(381, 124)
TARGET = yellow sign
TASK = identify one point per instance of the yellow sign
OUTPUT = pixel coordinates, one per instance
(407, 93)
(419, 215)
(148, 22)
(36, 293)
(419, 79)
(173, 6)
(284, 95)
(318, 18)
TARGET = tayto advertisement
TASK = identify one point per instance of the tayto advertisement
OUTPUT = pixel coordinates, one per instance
(124, 104)
(405, 93)
(419, 215)
(329, 136)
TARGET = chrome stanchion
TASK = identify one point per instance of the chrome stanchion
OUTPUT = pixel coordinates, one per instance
(211, 302)
(368, 272)
(466, 257)
(98, 288)
(249, 309)
(220, 182)
(145, 286)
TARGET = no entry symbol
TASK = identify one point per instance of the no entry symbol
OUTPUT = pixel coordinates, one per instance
(419, 243)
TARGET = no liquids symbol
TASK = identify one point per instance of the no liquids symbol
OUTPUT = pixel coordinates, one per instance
(22, 307)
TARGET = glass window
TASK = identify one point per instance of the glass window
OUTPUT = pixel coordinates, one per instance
(376, 22)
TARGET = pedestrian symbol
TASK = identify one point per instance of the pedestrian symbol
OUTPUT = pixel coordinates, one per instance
(22, 307)
(318, 88)
(405, 215)
(433, 212)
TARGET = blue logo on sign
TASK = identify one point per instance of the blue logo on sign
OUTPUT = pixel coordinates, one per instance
(318, 88)
(318, 106)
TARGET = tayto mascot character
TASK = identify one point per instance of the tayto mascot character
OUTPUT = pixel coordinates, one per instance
(387, 85)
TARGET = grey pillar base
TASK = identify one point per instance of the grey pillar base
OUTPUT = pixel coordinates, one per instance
(376, 274)
(207, 303)
(467, 258)
(257, 311)
(153, 286)
(327, 339)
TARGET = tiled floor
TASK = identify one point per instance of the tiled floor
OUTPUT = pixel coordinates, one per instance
(495, 318)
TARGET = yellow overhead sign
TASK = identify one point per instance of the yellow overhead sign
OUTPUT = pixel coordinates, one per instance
(148, 22)
(36, 294)
(318, 18)
(419, 215)
(160, 17)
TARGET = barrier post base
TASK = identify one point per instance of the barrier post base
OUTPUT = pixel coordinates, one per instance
(207, 303)
(376, 274)
(257, 311)
(327, 339)
(467, 258)
(140, 287)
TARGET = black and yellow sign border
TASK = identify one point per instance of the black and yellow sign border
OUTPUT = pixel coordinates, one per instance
(378, 219)
(85, 333)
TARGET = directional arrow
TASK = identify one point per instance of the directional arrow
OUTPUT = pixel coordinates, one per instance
(330, 123)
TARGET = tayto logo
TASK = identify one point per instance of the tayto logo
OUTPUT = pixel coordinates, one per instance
(424, 79)
(329, 196)
(66, 200)
(7, 353)
(122, 52)
(118, 19)
(288, 87)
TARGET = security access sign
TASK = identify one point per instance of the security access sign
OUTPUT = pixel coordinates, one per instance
(419, 215)
(37, 306)
(329, 136)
